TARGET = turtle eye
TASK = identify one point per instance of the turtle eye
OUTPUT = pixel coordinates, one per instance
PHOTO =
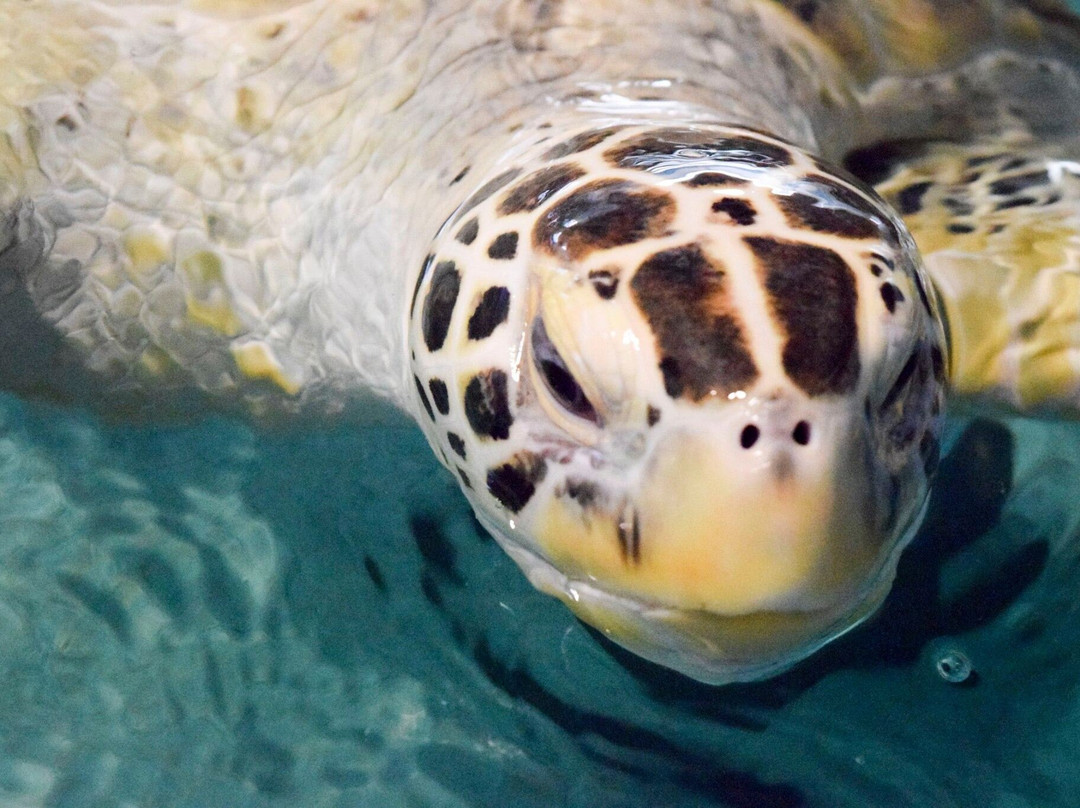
(557, 377)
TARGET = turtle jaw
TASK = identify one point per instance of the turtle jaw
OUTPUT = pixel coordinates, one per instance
(723, 562)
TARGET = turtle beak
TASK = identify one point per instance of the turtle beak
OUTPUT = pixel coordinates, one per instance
(774, 514)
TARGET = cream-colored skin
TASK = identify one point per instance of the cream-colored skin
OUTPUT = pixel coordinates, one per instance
(232, 200)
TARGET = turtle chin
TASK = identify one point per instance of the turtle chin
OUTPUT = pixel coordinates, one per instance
(728, 565)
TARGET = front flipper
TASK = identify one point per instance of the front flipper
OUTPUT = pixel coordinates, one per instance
(998, 224)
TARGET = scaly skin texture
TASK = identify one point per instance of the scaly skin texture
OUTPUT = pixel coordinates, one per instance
(204, 196)
(268, 205)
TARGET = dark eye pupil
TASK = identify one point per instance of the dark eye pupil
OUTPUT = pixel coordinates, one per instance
(557, 376)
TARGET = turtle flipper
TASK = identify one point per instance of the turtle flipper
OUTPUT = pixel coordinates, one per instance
(998, 224)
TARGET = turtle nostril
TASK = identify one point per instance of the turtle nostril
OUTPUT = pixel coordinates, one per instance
(801, 433)
(749, 436)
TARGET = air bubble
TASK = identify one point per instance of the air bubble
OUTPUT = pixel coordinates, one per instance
(954, 667)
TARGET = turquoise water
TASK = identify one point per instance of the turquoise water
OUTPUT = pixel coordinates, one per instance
(212, 615)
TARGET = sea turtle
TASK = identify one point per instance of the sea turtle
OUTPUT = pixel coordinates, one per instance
(689, 372)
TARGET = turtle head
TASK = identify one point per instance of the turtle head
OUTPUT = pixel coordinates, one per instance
(691, 379)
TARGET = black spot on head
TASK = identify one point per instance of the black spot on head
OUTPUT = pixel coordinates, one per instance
(891, 295)
(440, 395)
(740, 211)
(535, 189)
(457, 444)
(439, 304)
(513, 484)
(909, 199)
(465, 481)
(602, 215)
(652, 415)
(812, 293)
(467, 234)
(423, 398)
(584, 492)
(710, 179)
(629, 534)
(960, 228)
(673, 149)
(806, 10)
(504, 247)
(1015, 202)
(958, 207)
(67, 122)
(460, 175)
(485, 191)
(1007, 186)
(983, 159)
(579, 143)
(832, 208)
(420, 282)
(683, 295)
(605, 282)
(487, 406)
(876, 270)
(490, 312)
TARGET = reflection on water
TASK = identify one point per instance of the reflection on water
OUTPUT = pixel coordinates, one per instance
(212, 615)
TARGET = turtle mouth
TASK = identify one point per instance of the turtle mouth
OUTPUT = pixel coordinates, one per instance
(713, 648)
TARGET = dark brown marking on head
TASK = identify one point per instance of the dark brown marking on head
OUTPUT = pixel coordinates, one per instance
(465, 481)
(812, 293)
(909, 199)
(1015, 202)
(439, 304)
(490, 312)
(739, 211)
(487, 406)
(960, 228)
(711, 179)
(440, 395)
(1007, 186)
(424, 398)
(420, 282)
(485, 191)
(958, 207)
(605, 282)
(457, 444)
(652, 415)
(536, 188)
(876, 270)
(674, 148)
(629, 534)
(504, 247)
(513, 484)
(460, 175)
(891, 295)
(602, 215)
(467, 234)
(837, 210)
(584, 492)
(684, 296)
(579, 143)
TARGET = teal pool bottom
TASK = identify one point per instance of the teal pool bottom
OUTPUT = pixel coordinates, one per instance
(213, 615)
